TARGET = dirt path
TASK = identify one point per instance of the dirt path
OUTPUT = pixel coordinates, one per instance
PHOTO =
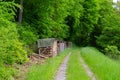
(88, 71)
(61, 74)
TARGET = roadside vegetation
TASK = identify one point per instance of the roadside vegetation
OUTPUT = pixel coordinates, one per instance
(75, 70)
(104, 67)
(47, 70)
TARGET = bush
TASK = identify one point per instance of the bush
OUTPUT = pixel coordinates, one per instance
(6, 73)
(109, 36)
(27, 34)
(11, 48)
(28, 37)
(112, 51)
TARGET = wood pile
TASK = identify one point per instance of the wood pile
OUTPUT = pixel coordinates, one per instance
(37, 58)
(45, 50)
(52, 46)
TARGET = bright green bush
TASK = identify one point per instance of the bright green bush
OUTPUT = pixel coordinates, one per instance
(7, 73)
(112, 51)
(4, 75)
(11, 48)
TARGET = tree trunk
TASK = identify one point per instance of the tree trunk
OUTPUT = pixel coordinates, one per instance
(20, 13)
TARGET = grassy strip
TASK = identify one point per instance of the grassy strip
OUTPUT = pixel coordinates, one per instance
(103, 67)
(75, 69)
(48, 70)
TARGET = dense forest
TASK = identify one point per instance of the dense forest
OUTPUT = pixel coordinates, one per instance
(83, 22)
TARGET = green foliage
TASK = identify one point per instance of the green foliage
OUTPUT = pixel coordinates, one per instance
(7, 73)
(7, 10)
(11, 49)
(27, 34)
(80, 21)
(48, 17)
(112, 51)
(73, 19)
(85, 22)
(4, 74)
(108, 26)
(84, 15)
(109, 36)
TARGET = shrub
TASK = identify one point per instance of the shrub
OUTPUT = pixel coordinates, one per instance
(112, 51)
(109, 36)
(28, 37)
(11, 48)
(6, 73)
(27, 34)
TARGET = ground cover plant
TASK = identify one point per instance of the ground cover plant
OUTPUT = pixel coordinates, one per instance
(103, 67)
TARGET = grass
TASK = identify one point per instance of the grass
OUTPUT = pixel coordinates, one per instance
(103, 67)
(75, 69)
(47, 70)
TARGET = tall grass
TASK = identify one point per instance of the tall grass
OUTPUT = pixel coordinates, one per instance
(47, 70)
(103, 67)
(75, 70)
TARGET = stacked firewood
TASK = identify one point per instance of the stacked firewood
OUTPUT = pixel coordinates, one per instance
(46, 50)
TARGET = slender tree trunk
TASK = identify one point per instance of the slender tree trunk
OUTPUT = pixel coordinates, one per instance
(20, 13)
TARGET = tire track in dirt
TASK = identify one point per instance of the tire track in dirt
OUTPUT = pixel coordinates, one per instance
(61, 73)
(88, 71)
